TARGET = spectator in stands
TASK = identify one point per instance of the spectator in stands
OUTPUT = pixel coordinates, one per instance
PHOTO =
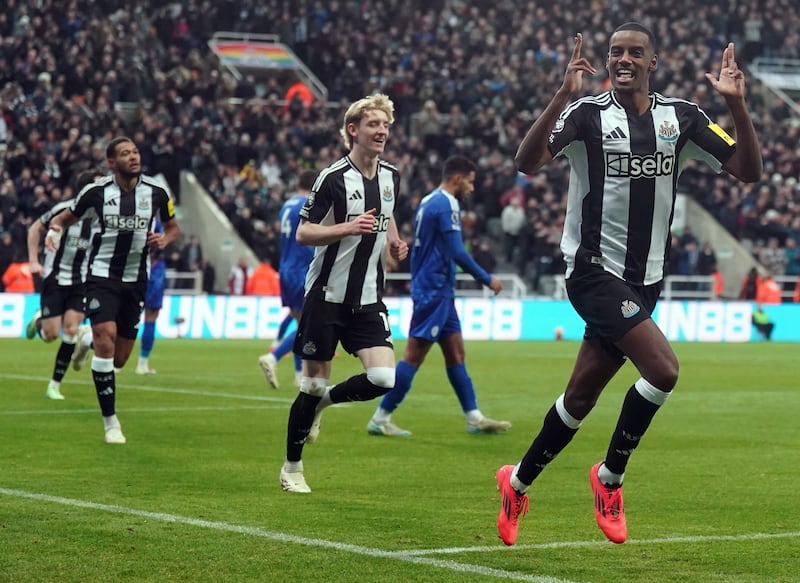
(750, 285)
(512, 220)
(191, 254)
(7, 253)
(792, 257)
(769, 291)
(773, 257)
(240, 273)
(209, 276)
(17, 277)
(707, 262)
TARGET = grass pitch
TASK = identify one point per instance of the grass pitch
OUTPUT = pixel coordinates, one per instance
(711, 494)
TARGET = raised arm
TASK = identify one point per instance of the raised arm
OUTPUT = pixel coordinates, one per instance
(533, 153)
(746, 164)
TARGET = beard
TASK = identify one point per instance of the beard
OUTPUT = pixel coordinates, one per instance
(129, 174)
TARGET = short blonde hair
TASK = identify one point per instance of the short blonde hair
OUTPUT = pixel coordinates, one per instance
(356, 112)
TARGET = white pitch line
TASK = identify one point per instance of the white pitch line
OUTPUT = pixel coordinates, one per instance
(755, 536)
(93, 410)
(156, 389)
(288, 538)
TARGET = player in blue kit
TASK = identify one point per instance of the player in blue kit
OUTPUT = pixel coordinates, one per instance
(292, 269)
(438, 247)
(153, 302)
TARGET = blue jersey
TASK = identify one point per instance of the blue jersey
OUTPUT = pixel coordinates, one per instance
(438, 248)
(294, 257)
(157, 277)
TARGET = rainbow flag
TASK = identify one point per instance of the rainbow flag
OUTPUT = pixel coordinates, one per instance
(254, 54)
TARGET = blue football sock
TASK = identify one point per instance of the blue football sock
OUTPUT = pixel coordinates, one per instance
(148, 338)
(404, 376)
(285, 347)
(462, 385)
(284, 325)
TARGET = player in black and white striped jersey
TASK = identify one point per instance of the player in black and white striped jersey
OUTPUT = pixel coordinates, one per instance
(126, 205)
(626, 149)
(63, 284)
(349, 218)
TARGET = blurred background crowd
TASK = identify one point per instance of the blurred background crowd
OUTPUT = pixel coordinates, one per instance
(465, 77)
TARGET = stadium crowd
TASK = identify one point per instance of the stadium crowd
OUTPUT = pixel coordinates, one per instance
(466, 78)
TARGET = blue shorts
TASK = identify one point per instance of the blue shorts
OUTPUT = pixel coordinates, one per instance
(154, 298)
(434, 320)
(293, 290)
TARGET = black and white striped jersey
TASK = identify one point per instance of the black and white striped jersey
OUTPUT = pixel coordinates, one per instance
(119, 250)
(624, 173)
(352, 270)
(69, 263)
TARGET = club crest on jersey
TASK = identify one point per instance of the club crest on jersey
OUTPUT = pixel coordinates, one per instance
(558, 127)
(667, 132)
(629, 309)
(388, 194)
(143, 204)
(309, 348)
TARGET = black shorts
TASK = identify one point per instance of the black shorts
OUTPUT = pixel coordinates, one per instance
(610, 306)
(324, 324)
(115, 301)
(57, 299)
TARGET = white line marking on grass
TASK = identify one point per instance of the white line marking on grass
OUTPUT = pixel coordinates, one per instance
(156, 389)
(93, 410)
(601, 543)
(288, 538)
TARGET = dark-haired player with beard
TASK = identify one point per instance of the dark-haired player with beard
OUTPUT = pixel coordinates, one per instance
(126, 205)
(626, 148)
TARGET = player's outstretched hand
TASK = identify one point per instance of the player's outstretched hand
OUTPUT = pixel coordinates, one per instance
(731, 78)
(496, 285)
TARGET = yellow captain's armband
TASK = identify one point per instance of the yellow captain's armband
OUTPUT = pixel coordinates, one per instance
(171, 208)
(722, 134)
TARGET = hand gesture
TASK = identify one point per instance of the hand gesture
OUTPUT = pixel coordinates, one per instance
(577, 66)
(398, 249)
(731, 78)
(363, 223)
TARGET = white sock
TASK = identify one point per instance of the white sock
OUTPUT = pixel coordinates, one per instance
(474, 417)
(381, 416)
(516, 483)
(54, 384)
(608, 477)
(293, 467)
(111, 422)
(326, 400)
(143, 361)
